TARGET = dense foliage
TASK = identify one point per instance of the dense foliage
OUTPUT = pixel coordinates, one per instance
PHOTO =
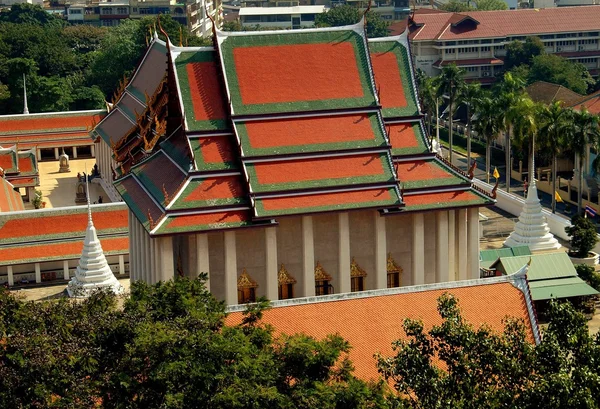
(346, 15)
(583, 235)
(68, 67)
(167, 347)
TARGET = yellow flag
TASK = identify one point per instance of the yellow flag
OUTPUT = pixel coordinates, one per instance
(557, 197)
(496, 174)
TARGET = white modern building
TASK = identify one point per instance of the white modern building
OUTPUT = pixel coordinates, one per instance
(280, 17)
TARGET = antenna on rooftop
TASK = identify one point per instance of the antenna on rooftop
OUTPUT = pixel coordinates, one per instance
(25, 108)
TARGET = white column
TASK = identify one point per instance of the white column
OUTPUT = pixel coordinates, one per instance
(231, 297)
(441, 248)
(308, 258)
(56, 153)
(164, 258)
(93, 150)
(11, 277)
(418, 249)
(461, 243)
(38, 273)
(272, 285)
(121, 264)
(451, 245)
(74, 152)
(66, 274)
(473, 243)
(132, 246)
(146, 268)
(380, 252)
(39, 154)
(202, 257)
(344, 253)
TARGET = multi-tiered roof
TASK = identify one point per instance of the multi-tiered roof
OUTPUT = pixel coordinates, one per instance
(272, 124)
(19, 167)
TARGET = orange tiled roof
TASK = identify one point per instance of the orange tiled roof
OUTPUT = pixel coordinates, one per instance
(10, 200)
(591, 102)
(376, 320)
(503, 23)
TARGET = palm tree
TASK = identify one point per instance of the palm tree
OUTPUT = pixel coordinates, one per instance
(511, 91)
(470, 96)
(555, 121)
(525, 127)
(488, 124)
(429, 95)
(585, 132)
(451, 82)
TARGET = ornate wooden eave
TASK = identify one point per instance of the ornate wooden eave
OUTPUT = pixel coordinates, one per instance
(320, 273)
(245, 281)
(356, 270)
(284, 277)
(392, 267)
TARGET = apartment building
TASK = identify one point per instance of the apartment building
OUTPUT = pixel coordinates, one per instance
(280, 17)
(476, 41)
(192, 13)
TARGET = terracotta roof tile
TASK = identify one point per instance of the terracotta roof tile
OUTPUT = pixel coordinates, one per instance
(376, 321)
(205, 221)
(444, 200)
(430, 173)
(591, 102)
(407, 138)
(209, 191)
(214, 152)
(10, 200)
(542, 91)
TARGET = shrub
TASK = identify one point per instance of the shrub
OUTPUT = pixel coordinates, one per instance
(583, 236)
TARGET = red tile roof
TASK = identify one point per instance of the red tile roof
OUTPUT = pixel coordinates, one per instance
(591, 102)
(435, 200)
(542, 91)
(370, 324)
(205, 91)
(387, 76)
(10, 200)
(502, 23)
(216, 188)
(282, 79)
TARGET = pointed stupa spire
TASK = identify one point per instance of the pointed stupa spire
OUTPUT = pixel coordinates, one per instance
(25, 108)
(93, 271)
(531, 229)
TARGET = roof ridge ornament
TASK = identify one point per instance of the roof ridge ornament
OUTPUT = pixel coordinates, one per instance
(320, 273)
(245, 280)
(391, 266)
(25, 108)
(284, 277)
(356, 270)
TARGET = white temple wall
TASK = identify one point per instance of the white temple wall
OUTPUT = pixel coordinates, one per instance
(399, 243)
(289, 248)
(250, 247)
(362, 244)
(326, 237)
(430, 246)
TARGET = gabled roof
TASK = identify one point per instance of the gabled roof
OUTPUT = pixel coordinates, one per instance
(546, 92)
(57, 234)
(591, 102)
(20, 167)
(10, 200)
(503, 23)
(48, 130)
(488, 257)
(376, 317)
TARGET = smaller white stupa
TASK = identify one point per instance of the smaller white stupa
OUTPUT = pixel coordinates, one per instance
(531, 229)
(93, 271)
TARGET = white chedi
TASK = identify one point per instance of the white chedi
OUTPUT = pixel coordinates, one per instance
(93, 271)
(531, 229)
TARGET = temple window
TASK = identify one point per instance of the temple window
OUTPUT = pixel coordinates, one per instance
(246, 288)
(286, 283)
(322, 281)
(357, 277)
(393, 272)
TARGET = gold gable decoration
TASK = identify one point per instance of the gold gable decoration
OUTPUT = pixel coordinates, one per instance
(245, 281)
(284, 277)
(320, 273)
(356, 270)
(392, 267)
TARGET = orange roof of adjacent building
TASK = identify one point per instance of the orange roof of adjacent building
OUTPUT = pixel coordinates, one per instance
(371, 320)
(10, 200)
(502, 23)
(591, 102)
(546, 92)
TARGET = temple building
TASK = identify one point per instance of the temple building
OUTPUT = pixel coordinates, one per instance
(20, 168)
(286, 164)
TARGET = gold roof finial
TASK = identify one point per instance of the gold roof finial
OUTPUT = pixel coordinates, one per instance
(392, 267)
(284, 277)
(245, 281)
(320, 273)
(356, 270)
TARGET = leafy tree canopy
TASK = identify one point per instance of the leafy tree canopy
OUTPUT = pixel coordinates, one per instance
(346, 15)
(456, 6)
(490, 5)
(519, 53)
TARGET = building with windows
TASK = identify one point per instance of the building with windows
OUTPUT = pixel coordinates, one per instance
(286, 164)
(280, 17)
(476, 40)
(195, 14)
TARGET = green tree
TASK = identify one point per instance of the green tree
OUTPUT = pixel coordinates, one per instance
(455, 6)
(525, 127)
(521, 53)
(451, 83)
(583, 133)
(470, 97)
(555, 121)
(490, 5)
(488, 125)
(346, 15)
(23, 13)
(429, 97)
(558, 70)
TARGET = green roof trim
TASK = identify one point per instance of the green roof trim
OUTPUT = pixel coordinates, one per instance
(560, 288)
(378, 140)
(139, 94)
(335, 36)
(405, 72)
(436, 181)
(141, 215)
(166, 229)
(261, 212)
(181, 202)
(323, 181)
(179, 153)
(543, 266)
(202, 165)
(186, 94)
